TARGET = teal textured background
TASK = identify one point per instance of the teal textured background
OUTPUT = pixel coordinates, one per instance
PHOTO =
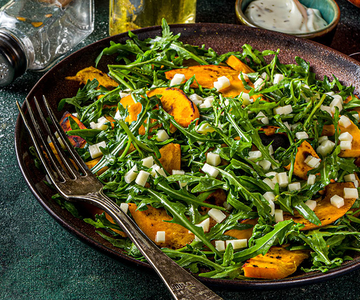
(41, 260)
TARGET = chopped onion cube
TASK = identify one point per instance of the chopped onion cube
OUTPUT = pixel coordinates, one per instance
(350, 177)
(254, 155)
(259, 84)
(269, 196)
(205, 225)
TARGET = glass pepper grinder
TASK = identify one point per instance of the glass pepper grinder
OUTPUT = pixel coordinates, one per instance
(34, 34)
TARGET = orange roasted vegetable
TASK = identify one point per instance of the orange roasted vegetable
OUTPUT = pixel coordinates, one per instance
(153, 220)
(300, 167)
(238, 65)
(174, 101)
(355, 144)
(76, 141)
(277, 263)
(324, 210)
(170, 157)
(242, 234)
(207, 75)
(91, 73)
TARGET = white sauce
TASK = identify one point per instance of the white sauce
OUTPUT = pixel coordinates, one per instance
(288, 16)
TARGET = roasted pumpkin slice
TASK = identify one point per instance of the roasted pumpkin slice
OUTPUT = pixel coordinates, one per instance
(324, 210)
(76, 141)
(300, 167)
(91, 73)
(277, 263)
(174, 101)
(355, 144)
(153, 220)
(242, 234)
(170, 157)
(238, 65)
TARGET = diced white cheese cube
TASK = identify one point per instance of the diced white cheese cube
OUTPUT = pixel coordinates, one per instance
(160, 237)
(246, 100)
(245, 76)
(326, 108)
(179, 172)
(101, 123)
(220, 245)
(254, 155)
(311, 179)
(337, 201)
(148, 161)
(142, 178)
(210, 170)
(95, 149)
(345, 136)
(131, 174)
(216, 215)
(271, 150)
(323, 139)
(279, 215)
(278, 78)
(269, 182)
(123, 94)
(208, 102)
(357, 117)
(265, 164)
(259, 84)
(156, 170)
(237, 244)
(301, 135)
(344, 121)
(161, 135)
(282, 179)
(124, 207)
(273, 176)
(312, 162)
(213, 159)
(272, 207)
(177, 79)
(337, 102)
(269, 196)
(350, 193)
(264, 76)
(325, 148)
(350, 177)
(117, 115)
(262, 118)
(205, 225)
(345, 145)
(311, 204)
(196, 99)
(222, 83)
(283, 110)
(204, 128)
(294, 186)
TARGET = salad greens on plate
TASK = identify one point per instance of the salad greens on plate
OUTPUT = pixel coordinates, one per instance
(235, 164)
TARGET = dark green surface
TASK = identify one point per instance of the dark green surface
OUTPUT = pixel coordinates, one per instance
(41, 260)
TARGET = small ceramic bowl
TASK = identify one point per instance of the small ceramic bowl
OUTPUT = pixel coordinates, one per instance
(329, 10)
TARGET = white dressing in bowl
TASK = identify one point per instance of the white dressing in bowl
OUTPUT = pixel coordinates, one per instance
(288, 16)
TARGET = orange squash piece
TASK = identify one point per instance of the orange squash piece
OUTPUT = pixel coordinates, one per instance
(355, 144)
(174, 101)
(153, 220)
(242, 234)
(277, 263)
(300, 167)
(208, 74)
(170, 157)
(76, 141)
(91, 73)
(324, 210)
(238, 65)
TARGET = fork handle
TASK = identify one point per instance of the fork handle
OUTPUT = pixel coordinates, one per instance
(181, 284)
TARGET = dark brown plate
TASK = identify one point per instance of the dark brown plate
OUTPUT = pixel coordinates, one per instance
(222, 38)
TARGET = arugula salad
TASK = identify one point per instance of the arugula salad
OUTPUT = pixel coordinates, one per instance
(235, 164)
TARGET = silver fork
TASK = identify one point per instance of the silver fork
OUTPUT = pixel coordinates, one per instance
(80, 184)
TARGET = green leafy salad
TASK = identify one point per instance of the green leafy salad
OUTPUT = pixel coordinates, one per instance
(223, 159)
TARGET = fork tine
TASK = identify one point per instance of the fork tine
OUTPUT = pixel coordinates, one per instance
(74, 154)
(34, 137)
